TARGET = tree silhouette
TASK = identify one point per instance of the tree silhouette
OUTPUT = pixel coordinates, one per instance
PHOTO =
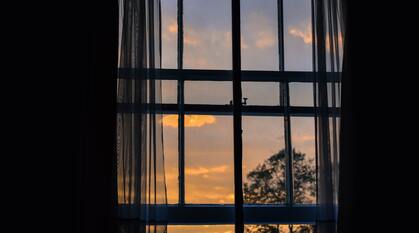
(266, 185)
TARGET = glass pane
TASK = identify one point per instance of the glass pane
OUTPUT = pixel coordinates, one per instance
(261, 93)
(200, 228)
(304, 164)
(209, 159)
(170, 145)
(297, 35)
(301, 94)
(208, 92)
(207, 34)
(259, 41)
(277, 228)
(169, 91)
(262, 228)
(265, 228)
(169, 33)
(263, 160)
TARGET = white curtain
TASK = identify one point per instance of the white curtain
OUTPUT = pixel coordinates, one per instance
(328, 49)
(141, 180)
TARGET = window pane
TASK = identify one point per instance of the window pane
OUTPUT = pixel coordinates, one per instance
(301, 94)
(304, 164)
(259, 41)
(169, 91)
(170, 145)
(207, 34)
(265, 228)
(276, 228)
(261, 93)
(208, 92)
(297, 35)
(263, 160)
(200, 228)
(169, 33)
(209, 159)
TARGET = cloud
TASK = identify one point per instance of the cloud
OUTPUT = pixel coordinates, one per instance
(304, 34)
(205, 171)
(303, 138)
(172, 27)
(190, 120)
(169, 32)
(191, 40)
(209, 196)
(201, 62)
(265, 40)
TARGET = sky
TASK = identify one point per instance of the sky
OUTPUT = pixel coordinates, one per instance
(209, 138)
(211, 228)
(207, 45)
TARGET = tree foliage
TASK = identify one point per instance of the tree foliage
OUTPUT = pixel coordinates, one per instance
(266, 184)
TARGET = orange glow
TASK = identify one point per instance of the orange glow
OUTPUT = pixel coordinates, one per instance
(190, 120)
(265, 40)
(304, 35)
(172, 27)
(190, 40)
(205, 171)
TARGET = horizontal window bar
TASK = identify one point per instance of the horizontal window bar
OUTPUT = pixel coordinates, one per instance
(206, 109)
(224, 214)
(224, 75)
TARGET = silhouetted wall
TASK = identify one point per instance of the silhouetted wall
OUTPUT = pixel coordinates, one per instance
(96, 161)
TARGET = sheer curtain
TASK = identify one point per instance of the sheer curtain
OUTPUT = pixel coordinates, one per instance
(328, 53)
(140, 160)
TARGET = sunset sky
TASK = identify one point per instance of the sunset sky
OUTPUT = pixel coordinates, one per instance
(210, 228)
(207, 45)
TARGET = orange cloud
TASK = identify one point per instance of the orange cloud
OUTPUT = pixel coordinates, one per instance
(172, 27)
(265, 40)
(190, 40)
(305, 35)
(205, 171)
(190, 120)
(201, 62)
(303, 138)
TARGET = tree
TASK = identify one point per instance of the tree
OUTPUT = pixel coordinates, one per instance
(266, 185)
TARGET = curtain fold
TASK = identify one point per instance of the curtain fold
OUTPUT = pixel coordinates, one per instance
(140, 159)
(328, 27)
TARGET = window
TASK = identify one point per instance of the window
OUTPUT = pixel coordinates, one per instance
(279, 156)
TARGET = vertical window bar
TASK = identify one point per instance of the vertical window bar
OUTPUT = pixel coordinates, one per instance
(280, 34)
(237, 117)
(284, 97)
(288, 144)
(313, 44)
(180, 99)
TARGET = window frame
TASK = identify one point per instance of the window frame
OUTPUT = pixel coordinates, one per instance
(183, 213)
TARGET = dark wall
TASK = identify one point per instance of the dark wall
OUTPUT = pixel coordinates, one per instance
(96, 161)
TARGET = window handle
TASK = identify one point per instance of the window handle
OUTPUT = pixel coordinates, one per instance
(243, 103)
